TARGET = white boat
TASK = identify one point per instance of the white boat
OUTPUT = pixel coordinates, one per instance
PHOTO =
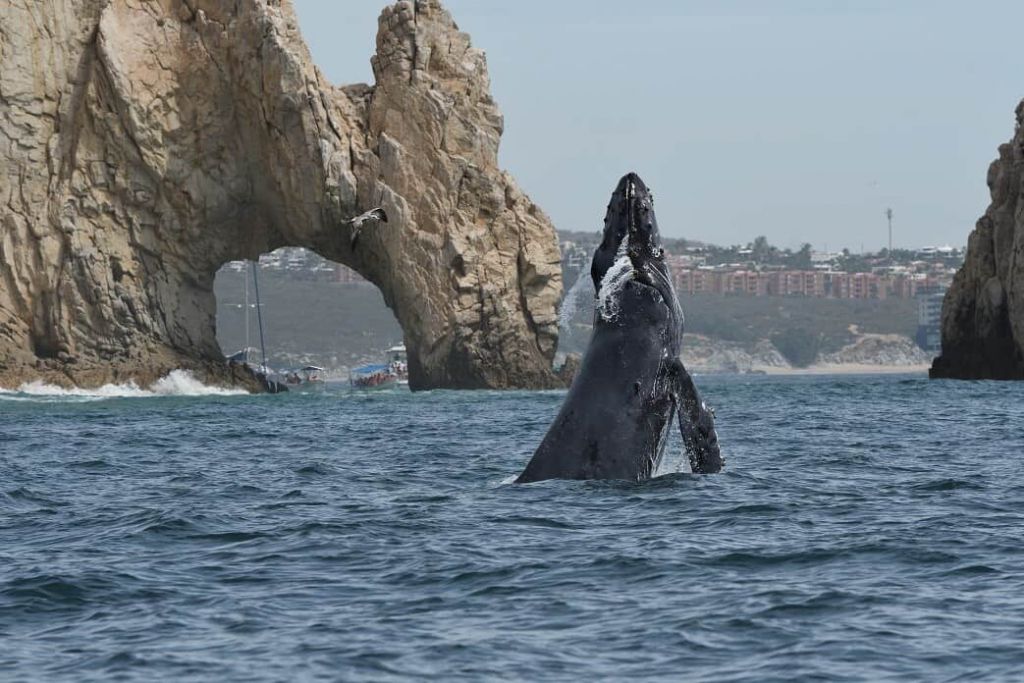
(272, 381)
(373, 376)
(399, 362)
(247, 355)
(394, 371)
(308, 378)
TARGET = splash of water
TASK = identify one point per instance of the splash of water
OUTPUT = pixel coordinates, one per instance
(571, 302)
(175, 383)
(183, 383)
(611, 285)
(39, 389)
(615, 278)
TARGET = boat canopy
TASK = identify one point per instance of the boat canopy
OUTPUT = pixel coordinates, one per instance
(396, 354)
(312, 368)
(377, 367)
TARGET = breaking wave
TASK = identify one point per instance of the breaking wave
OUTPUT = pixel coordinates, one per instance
(174, 383)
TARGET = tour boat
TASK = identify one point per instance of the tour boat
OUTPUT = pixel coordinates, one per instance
(309, 378)
(374, 376)
(393, 372)
(399, 363)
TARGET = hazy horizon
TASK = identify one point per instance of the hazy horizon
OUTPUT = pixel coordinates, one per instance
(802, 123)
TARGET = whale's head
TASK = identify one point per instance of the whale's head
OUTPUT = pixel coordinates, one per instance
(630, 252)
(630, 227)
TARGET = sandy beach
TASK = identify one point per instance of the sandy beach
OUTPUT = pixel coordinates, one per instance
(846, 369)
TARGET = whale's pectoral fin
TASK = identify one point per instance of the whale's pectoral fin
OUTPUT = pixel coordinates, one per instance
(697, 425)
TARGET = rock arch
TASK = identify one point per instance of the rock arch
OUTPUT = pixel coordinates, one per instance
(153, 142)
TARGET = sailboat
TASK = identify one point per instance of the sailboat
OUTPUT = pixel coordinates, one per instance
(306, 378)
(271, 381)
(247, 353)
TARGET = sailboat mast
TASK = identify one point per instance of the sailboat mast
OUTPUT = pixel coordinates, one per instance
(245, 280)
(259, 313)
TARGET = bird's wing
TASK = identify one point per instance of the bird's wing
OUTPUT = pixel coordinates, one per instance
(376, 214)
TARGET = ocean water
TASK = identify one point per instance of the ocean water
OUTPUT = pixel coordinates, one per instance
(866, 528)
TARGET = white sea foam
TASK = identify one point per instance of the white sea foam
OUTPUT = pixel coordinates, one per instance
(182, 383)
(611, 286)
(175, 383)
(44, 390)
(510, 479)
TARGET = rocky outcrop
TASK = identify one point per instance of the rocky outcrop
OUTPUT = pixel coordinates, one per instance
(570, 368)
(705, 355)
(890, 350)
(146, 143)
(983, 312)
(866, 353)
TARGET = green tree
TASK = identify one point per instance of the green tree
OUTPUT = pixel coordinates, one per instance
(798, 345)
(804, 255)
(801, 260)
(761, 249)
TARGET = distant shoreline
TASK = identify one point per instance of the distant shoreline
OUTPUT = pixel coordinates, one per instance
(846, 369)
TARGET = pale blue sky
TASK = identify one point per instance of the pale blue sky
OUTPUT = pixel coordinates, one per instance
(797, 119)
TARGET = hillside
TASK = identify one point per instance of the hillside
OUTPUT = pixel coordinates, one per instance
(144, 145)
(331, 324)
(340, 325)
(801, 328)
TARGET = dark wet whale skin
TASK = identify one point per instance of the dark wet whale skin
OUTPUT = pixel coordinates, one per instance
(615, 419)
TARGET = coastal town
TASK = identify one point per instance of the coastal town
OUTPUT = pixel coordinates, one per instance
(759, 269)
(708, 269)
(706, 273)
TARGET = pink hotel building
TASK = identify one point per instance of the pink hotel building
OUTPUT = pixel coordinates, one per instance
(813, 283)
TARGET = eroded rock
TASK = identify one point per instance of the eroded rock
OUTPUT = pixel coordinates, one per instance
(983, 312)
(147, 143)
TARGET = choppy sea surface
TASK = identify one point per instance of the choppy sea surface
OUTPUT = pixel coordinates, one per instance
(866, 528)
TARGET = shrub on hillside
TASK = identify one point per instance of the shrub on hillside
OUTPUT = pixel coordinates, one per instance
(798, 345)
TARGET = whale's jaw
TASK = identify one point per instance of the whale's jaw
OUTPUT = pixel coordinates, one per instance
(630, 228)
(630, 250)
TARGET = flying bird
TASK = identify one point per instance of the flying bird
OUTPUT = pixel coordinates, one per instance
(376, 214)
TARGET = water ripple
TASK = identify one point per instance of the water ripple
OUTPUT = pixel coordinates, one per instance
(871, 534)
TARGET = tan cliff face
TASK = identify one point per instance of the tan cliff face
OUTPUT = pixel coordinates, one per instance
(983, 312)
(147, 142)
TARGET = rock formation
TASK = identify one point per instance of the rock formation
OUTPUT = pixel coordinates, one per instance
(983, 312)
(145, 143)
(883, 350)
(570, 368)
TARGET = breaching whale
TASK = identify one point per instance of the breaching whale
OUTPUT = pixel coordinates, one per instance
(616, 418)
